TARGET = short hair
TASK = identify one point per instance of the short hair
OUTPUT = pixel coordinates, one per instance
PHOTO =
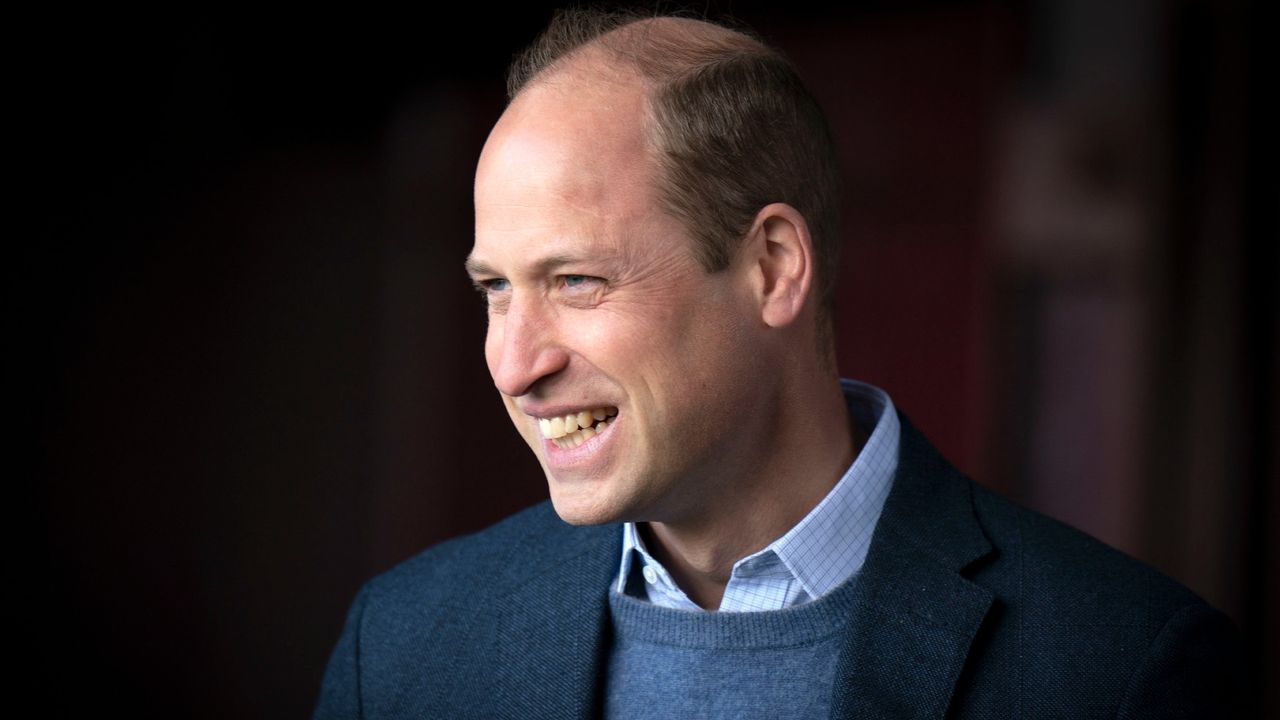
(734, 127)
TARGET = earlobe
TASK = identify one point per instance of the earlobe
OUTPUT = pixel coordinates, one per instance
(784, 257)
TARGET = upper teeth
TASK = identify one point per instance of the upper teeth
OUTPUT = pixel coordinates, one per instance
(558, 427)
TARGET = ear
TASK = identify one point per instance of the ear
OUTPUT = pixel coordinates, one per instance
(782, 263)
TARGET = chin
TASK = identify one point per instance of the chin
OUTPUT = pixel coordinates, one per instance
(578, 510)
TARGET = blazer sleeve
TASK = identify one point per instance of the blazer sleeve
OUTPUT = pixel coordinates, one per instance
(1191, 670)
(340, 690)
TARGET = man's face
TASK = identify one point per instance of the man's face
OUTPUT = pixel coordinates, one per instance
(599, 309)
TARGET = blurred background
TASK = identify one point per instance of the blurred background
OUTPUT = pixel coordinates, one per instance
(255, 368)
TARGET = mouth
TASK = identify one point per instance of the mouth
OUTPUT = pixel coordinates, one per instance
(569, 431)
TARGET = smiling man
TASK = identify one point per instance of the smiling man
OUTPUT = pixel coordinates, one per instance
(733, 531)
(622, 360)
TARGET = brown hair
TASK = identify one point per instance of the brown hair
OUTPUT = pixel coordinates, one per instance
(735, 129)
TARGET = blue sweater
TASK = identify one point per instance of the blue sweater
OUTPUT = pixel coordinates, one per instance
(667, 663)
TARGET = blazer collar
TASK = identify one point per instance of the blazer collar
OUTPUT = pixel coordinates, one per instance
(917, 615)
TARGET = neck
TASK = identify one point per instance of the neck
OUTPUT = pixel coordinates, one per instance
(812, 442)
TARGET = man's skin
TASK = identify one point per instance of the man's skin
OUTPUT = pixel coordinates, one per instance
(730, 425)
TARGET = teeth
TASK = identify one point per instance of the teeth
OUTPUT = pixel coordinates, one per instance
(574, 439)
(575, 428)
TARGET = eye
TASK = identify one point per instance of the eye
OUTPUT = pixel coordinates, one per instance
(496, 293)
(492, 285)
(581, 290)
(580, 282)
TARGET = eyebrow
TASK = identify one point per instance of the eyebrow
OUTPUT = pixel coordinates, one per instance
(476, 268)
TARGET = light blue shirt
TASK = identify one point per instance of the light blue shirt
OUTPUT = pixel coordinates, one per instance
(823, 550)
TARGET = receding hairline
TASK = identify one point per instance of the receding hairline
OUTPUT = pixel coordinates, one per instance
(653, 50)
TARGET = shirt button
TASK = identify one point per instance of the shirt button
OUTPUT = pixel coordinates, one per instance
(650, 575)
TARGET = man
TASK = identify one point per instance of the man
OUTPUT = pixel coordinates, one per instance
(656, 239)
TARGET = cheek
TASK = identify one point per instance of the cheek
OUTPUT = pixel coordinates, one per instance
(671, 360)
(704, 365)
(629, 345)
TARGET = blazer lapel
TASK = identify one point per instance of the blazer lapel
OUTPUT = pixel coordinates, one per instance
(917, 616)
(562, 598)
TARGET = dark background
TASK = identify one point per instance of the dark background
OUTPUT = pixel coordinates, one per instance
(254, 363)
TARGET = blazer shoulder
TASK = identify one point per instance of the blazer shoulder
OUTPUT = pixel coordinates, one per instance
(1089, 612)
(456, 571)
(1066, 576)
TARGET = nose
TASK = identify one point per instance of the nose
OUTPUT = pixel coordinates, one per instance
(523, 346)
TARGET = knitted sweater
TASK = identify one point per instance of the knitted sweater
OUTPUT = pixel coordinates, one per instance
(667, 663)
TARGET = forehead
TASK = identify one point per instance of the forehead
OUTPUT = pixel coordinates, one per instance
(569, 150)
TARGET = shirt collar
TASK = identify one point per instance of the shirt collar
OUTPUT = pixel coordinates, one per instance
(830, 544)
(661, 588)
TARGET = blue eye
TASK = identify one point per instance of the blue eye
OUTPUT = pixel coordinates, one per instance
(578, 290)
(496, 285)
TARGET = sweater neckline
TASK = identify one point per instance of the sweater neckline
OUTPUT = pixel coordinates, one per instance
(639, 621)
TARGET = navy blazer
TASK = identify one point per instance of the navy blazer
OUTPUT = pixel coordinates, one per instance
(968, 607)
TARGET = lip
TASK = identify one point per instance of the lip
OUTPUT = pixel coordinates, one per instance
(548, 412)
(558, 457)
